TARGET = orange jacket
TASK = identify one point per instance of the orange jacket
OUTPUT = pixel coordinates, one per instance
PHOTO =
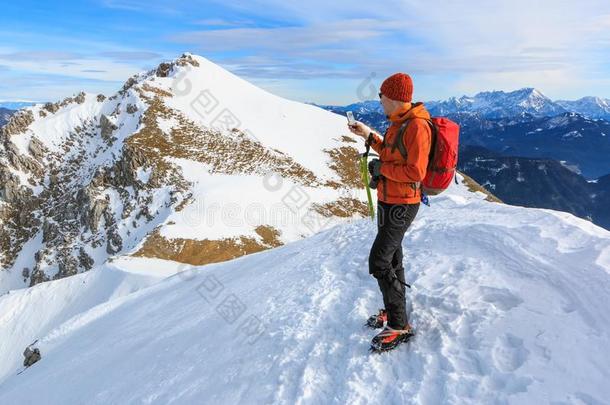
(400, 179)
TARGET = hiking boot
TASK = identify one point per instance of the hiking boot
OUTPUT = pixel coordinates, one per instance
(389, 338)
(377, 321)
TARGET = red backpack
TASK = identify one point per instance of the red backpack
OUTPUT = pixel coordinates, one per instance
(442, 161)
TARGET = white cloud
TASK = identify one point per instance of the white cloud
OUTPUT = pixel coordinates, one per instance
(451, 46)
(125, 56)
(482, 44)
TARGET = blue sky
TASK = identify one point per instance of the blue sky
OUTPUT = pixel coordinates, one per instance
(327, 52)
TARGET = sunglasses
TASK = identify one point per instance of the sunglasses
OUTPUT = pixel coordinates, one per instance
(380, 94)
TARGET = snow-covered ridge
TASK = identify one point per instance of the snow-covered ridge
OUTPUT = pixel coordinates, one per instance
(510, 306)
(143, 171)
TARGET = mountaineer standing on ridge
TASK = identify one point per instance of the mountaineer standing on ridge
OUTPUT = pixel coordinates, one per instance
(397, 176)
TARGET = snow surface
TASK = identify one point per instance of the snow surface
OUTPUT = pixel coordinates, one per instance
(510, 305)
(229, 205)
(27, 314)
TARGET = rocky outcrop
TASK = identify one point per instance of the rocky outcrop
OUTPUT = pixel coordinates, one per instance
(77, 202)
(31, 355)
(165, 68)
(107, 127)
(37, 149)
(17, 124)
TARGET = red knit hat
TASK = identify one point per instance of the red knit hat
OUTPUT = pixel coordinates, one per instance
(398, 87)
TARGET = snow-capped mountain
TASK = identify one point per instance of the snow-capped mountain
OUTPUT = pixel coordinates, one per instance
(592, 107)
(524, 104)
(509, 304)
(499, 104)
(186, 162)
(5, 114)
(527, 102)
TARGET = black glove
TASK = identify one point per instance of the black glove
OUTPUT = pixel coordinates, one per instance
(375, 168)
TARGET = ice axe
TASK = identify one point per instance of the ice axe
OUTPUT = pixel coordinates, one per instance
(364, 174)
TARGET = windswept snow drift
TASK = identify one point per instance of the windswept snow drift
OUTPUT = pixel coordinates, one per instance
(510, 305)
(27, 314)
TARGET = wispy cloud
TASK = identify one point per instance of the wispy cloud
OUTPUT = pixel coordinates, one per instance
(473, 42)
(128, 56)
(144, 6)
(221, 22)
(322, 50)
(41, 55)
(338, 33)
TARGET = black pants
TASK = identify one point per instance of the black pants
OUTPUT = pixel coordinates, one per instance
(385, 259)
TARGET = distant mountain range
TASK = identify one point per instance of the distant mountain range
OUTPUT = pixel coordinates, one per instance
(369, 112)
(8, 108)
(5, 114)
(592, 107)
(581, 142)
(16, 105)
(499, 104)
(542, 183)
(569, 139)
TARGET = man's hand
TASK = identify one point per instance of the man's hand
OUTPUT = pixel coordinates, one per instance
(360, 129)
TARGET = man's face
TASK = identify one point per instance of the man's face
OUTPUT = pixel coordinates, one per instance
(387, 104)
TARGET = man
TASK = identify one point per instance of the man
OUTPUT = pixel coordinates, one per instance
(399, 195)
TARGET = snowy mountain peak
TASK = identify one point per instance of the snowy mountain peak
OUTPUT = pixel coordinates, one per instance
(592, 107)
(499, 104)
(153, 170)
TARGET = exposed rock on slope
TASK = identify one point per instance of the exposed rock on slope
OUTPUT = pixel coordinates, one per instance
(142, 172)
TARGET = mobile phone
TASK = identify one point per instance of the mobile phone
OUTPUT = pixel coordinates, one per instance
(350, 118)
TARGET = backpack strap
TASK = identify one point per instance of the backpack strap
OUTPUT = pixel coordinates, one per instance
(398, 142)
(434, 135)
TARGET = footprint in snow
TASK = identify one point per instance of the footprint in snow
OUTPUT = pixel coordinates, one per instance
(501, 298)
(508, 353)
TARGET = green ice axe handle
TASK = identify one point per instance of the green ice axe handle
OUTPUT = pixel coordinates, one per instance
(364, 174)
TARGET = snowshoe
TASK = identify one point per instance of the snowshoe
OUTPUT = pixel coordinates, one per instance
(377, 321)
(390, 338)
